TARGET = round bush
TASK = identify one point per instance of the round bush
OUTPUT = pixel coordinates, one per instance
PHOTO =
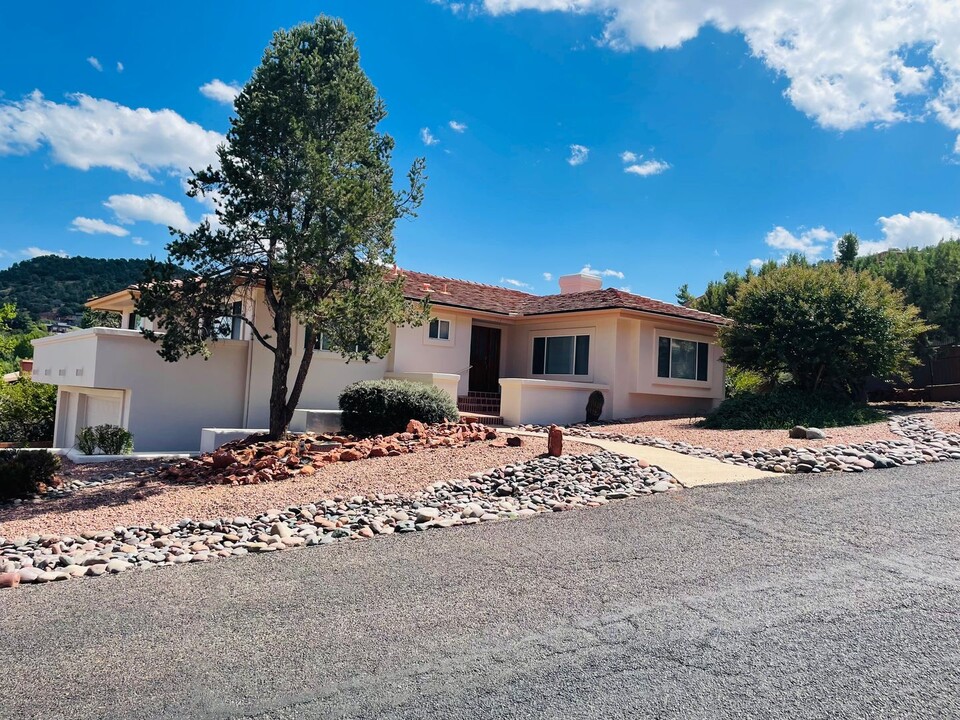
(786, 407)
(382, 407)
(23, 471)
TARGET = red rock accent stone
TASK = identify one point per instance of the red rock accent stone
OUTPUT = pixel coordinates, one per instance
(9, 580)
(555, 441)
(514, 441)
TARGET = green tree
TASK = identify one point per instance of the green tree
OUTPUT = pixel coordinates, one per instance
(306, 208)
(99, 318)
(684, 296)
(847, 249)
(826, 327)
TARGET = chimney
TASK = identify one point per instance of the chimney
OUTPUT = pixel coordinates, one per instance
(579, 282)
(26, 366)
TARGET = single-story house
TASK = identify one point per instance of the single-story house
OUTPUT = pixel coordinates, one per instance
(510, 355)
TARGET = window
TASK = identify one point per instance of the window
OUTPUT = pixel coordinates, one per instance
(561, 355)
(682, 359)
(439, 329)
(228, 327)
(322, 343)
(134, 322)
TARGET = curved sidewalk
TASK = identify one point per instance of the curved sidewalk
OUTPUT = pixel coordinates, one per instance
(688, 470)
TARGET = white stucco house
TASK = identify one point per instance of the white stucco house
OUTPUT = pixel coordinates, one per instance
(503, 353)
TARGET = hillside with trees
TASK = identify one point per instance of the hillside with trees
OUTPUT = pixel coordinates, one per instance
(51, 284)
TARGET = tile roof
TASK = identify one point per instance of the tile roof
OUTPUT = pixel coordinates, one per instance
(451, 292)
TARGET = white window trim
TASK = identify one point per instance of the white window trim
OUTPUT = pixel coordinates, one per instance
(680, 335)
(563, 332)
(450, 342)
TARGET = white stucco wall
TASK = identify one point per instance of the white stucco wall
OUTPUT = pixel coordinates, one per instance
(415, 352)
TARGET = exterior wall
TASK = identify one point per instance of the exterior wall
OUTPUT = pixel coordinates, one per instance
(415, 352)
(163, 404)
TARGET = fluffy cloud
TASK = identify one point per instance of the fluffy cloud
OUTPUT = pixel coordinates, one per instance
(515, 283)
(756, 263)
(220, 91)
(428, 137)
(95, 64)
(90, 132)
(548, 276)
(458, 126)
(647, 167)
(848, 63)
(578, 155)
(39, 252)
(119, 67)
(149, 208)
(602, 273)
(139, 241)
(918, 229)
(94, 226)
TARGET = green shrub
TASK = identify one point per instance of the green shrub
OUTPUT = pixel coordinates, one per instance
(27, 411)
(22, 471)
(110, 439)
(740, 382)
(381, 407)
(786, 407)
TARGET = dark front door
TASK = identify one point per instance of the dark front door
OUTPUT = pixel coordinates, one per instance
(485, 359)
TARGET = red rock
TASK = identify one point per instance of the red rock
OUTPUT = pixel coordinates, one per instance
(416, 427)
(555, 441)
(365, 532)
(377, 452)
(350, 455)
(307, 470)
(491, 435)
(514, 441)
(9, 580)
(222, 460)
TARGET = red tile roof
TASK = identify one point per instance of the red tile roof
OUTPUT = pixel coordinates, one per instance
(450, 292)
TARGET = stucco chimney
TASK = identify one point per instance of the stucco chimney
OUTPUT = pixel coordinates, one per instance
(579, 282)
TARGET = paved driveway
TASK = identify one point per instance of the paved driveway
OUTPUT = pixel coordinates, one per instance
(812, 597)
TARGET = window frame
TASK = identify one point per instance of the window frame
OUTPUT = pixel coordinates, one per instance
(699, 340)
(575, 333)
(450, 341)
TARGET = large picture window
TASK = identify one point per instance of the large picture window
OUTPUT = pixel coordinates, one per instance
(561, 355)
(682, 359)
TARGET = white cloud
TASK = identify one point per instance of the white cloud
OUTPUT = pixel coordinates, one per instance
(628, 157)
(151, 208)
(38, 252)
(515, 283)
(458, 126)
(94, 226)
(220, 91)
(756, 263)
(578, 155)
(139, 241)
(95, 64)
(119, 67)
(848, 63)
(548, 276)
(91, 132)
(918, 229)
(647, 168)
(602, 273)
(428, 137)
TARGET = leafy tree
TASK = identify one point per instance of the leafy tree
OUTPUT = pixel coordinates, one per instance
(306, 210)
(684, 296)
(929, 278)
(99, 318)
(27, 411)
(828, 328)
(847, 249)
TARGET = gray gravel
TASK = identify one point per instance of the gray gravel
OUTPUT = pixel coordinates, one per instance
(828, 599)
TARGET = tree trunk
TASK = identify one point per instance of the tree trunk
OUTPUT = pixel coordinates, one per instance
(279, 418)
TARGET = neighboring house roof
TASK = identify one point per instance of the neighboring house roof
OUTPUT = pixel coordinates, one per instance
(490, 298)
(467, 295)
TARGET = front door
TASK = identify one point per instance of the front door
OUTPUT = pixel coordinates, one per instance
(485, 359)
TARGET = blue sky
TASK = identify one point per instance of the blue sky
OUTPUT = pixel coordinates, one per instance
(662, 145)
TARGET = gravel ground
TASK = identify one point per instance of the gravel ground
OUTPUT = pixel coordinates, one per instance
(685, 430)
(945, 420)
(143, 501)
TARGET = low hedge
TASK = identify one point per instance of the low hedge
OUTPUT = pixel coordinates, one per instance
(786, 407)
(382, 407)
(22, 471)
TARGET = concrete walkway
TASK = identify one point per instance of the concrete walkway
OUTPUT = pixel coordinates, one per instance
(688, 470)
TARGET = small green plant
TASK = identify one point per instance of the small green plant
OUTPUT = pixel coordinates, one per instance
(381, 407)
(786, 407)
(22, 472)
(87, 441)
(110, 439)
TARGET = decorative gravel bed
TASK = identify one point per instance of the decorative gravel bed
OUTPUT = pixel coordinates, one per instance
(545, 484)
(921, 442)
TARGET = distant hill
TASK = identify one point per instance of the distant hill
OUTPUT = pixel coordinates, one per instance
(51, 284)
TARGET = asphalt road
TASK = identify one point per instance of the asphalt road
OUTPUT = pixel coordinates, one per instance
(836, 596)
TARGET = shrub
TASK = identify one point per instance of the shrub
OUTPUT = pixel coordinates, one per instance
(741, 382)
(27, 411)
(23, 471)
(786, 407)
(381, 407)
(110, 439)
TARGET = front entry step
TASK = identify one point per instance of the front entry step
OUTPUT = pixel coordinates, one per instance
(472, 417)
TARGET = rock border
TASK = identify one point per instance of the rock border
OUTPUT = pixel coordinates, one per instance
(544, 484)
